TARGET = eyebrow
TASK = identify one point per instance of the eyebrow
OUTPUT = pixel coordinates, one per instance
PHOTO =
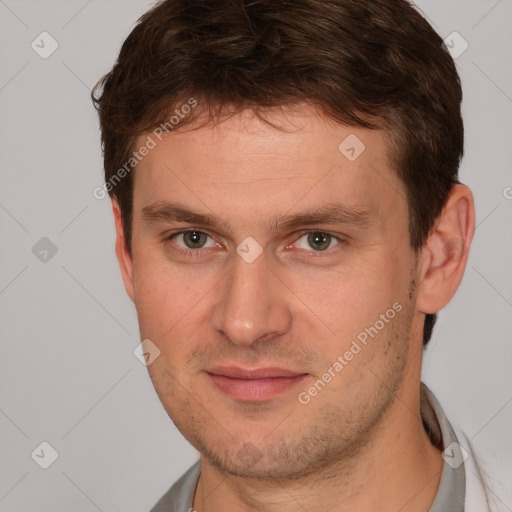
(329, 213)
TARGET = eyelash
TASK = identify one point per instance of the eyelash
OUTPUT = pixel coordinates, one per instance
(199, 252)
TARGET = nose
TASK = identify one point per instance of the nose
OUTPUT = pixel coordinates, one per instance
(252, 304)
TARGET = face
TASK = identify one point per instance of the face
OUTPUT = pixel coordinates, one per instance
(272, 269)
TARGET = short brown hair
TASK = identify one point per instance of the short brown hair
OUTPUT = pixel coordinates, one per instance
(376, 64)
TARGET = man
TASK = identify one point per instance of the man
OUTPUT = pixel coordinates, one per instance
(289, 221)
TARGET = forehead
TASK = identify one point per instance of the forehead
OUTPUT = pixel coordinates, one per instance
(247, 166)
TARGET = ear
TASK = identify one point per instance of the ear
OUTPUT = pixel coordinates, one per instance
(445, 253)
(123, 256)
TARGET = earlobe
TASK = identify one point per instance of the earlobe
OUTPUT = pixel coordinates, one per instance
(123, 256)
(445, 253)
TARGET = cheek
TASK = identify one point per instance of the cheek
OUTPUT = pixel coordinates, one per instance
(152, 298)
(163, 297)
(353, 296)
(173, 307)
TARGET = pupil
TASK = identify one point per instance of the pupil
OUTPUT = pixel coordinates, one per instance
(319, 241)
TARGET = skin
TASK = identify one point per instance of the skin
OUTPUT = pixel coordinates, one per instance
(359, 444)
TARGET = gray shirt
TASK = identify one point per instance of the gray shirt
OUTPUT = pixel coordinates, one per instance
(450, 494)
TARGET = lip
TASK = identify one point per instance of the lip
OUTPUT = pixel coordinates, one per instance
(255, 385)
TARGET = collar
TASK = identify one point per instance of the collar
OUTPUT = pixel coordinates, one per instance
(452, 486)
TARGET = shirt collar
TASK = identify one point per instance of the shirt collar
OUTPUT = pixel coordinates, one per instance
(452, 486)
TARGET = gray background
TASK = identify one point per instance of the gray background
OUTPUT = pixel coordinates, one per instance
(68, 373)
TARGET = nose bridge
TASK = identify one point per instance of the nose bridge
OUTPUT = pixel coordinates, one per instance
(251, 305)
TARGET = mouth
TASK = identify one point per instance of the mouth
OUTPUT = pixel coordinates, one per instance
(254, 385)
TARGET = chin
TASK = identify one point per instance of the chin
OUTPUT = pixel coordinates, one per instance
(268, 458)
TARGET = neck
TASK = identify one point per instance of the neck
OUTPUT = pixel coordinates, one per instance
(398, 469)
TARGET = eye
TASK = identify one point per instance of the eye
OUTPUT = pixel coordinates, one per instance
(317, 240)
(192, 239)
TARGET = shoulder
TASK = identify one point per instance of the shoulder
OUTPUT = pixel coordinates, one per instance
(478, 488)
(179, 497)
(479, 494)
